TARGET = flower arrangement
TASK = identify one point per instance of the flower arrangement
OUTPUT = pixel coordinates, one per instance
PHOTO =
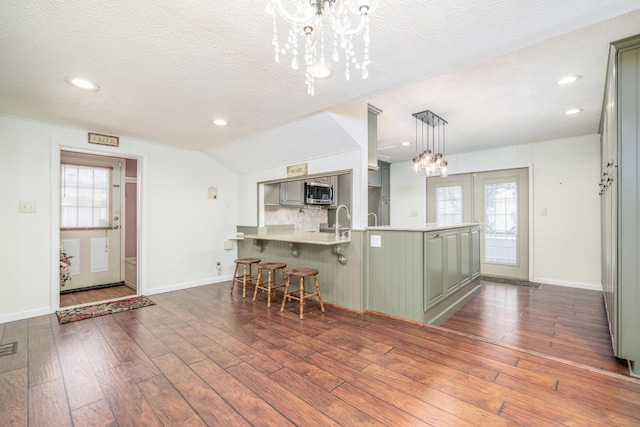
(65, 267)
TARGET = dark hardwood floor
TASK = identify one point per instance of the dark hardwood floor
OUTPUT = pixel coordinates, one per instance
(95, 295)
(204, 357)
(562, 322)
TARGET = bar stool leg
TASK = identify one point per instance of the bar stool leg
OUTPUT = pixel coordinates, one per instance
(315, 278)
(255, 292)
(286, 293)
(244, 280)
(301, 297)
(269, 288)
(233, 280)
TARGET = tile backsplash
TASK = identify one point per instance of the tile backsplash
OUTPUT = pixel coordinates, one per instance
(306, 217)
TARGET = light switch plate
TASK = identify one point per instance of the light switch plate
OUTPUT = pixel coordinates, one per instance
(27, 207)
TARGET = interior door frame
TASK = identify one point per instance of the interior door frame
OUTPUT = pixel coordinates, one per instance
(56, 147)
(515, 165)
(116, 208)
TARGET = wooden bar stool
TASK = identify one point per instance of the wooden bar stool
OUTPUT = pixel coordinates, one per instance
(300, 294)
(245, 277)
(272, 283)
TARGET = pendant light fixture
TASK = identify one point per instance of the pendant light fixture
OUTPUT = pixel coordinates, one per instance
(431, 160)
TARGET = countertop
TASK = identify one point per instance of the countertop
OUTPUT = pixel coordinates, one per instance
(309, 237)
(424, 227)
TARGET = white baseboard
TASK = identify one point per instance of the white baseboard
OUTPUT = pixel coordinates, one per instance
(589, 286)
(187, 285)
(26, 314)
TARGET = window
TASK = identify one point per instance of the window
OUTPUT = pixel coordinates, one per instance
(449, 205)
(84, 196)
(501, 222)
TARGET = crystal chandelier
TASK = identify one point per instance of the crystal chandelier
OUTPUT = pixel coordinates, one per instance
(310, 20)
(431, 161)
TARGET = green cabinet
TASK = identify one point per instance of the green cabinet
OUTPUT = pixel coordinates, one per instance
(434, 248)
(620, 199)
(419, 275)
(292, 193)
(374, 178)
(465, 257)
(272, 194)
(453, 260)
(475, 252)
(385, 180)
(372, 136)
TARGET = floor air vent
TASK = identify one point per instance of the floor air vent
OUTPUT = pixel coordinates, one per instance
(8, 349)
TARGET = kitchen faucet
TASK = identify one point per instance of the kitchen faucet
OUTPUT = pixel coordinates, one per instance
(338, 218)
(375, 218)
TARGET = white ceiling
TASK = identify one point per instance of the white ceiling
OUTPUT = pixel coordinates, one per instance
(166, 69)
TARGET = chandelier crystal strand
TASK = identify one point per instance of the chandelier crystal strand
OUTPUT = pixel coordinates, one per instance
(345, 18)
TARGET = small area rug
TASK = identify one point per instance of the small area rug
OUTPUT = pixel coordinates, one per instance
(492, 279)
(79, 313)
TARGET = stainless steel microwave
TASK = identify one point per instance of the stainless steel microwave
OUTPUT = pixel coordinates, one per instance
(317, 193)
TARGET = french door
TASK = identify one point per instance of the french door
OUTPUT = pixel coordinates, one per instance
(499, 202)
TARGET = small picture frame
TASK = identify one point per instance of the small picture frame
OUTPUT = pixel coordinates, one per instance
(100, 139)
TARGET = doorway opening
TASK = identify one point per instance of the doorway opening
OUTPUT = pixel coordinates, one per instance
(98, 227)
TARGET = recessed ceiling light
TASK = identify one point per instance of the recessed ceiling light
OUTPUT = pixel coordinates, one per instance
(320, 71)
(573, 111)
(220, 122)
(406, 144)
(82, 83)
(568, 79)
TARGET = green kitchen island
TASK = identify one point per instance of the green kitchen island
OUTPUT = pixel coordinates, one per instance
(421, 273)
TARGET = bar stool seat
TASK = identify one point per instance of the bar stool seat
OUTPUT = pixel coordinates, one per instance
(271, 284)
(301, 294)
(244, 278)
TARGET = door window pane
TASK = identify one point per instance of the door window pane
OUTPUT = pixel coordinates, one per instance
(84, 197)
(449, 205)
(501, 222)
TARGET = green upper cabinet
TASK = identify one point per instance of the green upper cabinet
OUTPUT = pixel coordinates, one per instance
(374, 178)
(292, 193)
(385, 180)
(272, 194)
(372, 136)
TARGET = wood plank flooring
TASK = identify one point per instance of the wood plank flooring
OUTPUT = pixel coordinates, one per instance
(563, 322)
(204, 357)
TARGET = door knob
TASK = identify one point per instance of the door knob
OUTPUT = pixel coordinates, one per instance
(115, 227)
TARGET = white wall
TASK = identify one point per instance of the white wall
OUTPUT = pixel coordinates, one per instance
(182, 231)
(353, 120)
(566, 173)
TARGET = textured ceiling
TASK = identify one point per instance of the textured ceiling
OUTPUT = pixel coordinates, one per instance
(166, 69)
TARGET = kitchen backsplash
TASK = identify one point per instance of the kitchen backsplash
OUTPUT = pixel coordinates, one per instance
(307, 217)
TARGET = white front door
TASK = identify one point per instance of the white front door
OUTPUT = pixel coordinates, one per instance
(501, 206)
(499, 202)
(91, 218)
